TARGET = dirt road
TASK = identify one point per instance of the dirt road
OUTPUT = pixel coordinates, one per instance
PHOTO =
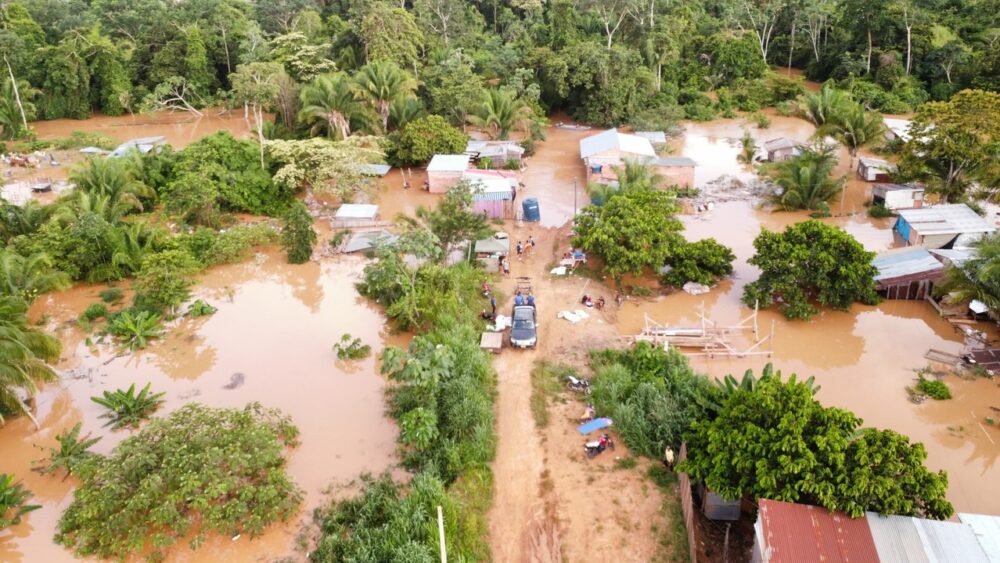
(550, 502)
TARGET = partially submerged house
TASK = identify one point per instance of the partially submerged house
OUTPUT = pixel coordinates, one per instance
(781, 148)
(499, 152)
(445, 170)
(354, 214)
(676, 170)
(898, 196)
(874, 169)
(602, 152)
(897, 129)
(491, 195)
(143, 145)
(367, 240)
(941, 226)
(908, 273)
(794, 533)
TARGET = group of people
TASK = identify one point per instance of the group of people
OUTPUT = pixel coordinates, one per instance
(526, 247)
(590, 302)
(521, 299)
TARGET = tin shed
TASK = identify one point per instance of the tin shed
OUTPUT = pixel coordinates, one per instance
(908, 273)
(873, 169)
(608, 149)
(898, 196)
(940, 226)
(676, 170)
(782, 148)
(445, 170)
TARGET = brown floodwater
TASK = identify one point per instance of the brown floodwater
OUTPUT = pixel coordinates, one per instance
(863, 359)
(179, 128)
(270, 341)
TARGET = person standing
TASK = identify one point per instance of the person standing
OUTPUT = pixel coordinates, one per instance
(493, 303)
(520, 250)
(530, 245)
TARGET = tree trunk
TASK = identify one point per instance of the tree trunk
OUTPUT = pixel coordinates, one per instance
(17, 96)
(791, 48)
(258, 113)
(868, 65)
(659, 76)
(225, 44)
(909, 48)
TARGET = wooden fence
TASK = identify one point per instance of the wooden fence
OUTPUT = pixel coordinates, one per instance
(687, 506)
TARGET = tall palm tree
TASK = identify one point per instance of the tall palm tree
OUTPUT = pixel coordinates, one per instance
(23, 355)
(854, 128)
(112, 178)
(748, 148)
(501, 112)
(636, 175)
(823, 106)
(806, 181)
(976, 278)
(330, 102)
(380, 83)
(405, 110)
(23, 219)
(77, 204)
(29, 277)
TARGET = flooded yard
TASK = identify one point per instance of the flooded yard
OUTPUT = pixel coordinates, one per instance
(270, 341)
(180, 128)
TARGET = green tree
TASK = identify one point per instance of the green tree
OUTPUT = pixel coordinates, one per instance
(633, 231)
(502, 112)
(806, 181)
(165, 280)
(976, 278)
(953, 143)
(28, 277)
(204, 471)
(258, 85)
(297, 235)
(636, 175)
(24, 352)
(112, 178)
(453, 88)
(391, 33)
(330, 102)
(855, 128)
(333, 168)
(422, 138)
(810, 262)
(381, 83)
(454, 221)
(824, 106)
(704, 261)
(774, 440)
(303, 60)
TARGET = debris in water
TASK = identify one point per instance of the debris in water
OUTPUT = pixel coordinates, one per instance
(695, 288)
(235, 381)
(190, 393)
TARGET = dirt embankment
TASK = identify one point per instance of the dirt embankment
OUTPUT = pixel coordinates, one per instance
(551, 503)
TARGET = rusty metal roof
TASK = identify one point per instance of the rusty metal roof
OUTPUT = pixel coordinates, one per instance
(793, 533)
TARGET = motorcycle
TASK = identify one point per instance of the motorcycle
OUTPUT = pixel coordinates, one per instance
(580, 385)
(593, 449)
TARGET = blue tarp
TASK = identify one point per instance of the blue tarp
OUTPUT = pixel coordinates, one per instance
(903, 228)
(596, 424)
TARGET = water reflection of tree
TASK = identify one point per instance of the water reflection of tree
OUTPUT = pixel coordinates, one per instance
(182, 355)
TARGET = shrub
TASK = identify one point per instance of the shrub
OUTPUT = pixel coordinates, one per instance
(13, 501)
(197, 472)
(760, 119)
(200, 309)
(705, 262)
(422, 138)
(298, 236)
(135, 329)
(933, 388)
(165, 279)
(111, 295)
(94, 311)
(233, 245)
(879, 211)
(72, 451)
(351, 349)
(126, 408)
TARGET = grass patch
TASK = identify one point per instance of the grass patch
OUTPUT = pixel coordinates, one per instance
(933, 388)
(474, 493)
(626, 463)
(546, 381)
(674, 541)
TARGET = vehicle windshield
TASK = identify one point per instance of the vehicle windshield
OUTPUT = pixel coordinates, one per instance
(523, 324)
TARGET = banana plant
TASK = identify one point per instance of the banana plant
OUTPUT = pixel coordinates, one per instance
(126, 408)
(13, 498)
(72, 451)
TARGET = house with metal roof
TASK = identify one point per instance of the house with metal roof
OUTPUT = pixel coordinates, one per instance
(987, 530)
(676, 170)
(794, 533)
(941, 226)
(492, 195)
(898, 196)
(897, 129)
(872, 169)
(655, 137)
(604, 151)
(445, 170)
(908, 273)
(499, 152)
(781, 148)
(143, 145)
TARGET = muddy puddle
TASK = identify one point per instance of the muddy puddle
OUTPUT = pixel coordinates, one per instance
(270, 341)
(863, 359)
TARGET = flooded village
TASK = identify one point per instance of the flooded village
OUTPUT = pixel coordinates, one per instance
(271, 338)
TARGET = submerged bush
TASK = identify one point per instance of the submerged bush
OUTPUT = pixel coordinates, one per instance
(351, 349)
(197, 472)
(126, 407)
(134, 329)
(72, 451)
(933, 388)
(111, 295)
(13, 501)
(200, 309)
(94, 311)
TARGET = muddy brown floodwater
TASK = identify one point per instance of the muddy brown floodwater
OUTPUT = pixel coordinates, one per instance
(270, 341)
(180, 128)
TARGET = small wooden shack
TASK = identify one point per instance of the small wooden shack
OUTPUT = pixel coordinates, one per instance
(873, 169)
(898, 196)
(500, 153)
(782, 148)
(492, 195)
(676, 170)
(941, 226)
(602, 152)
(908, 273)
(445, 170)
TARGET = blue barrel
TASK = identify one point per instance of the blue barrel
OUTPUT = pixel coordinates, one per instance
(531, 212)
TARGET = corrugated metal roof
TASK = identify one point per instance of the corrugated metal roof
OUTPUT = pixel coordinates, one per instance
(448, 163)
(493, 245)
(896, 187)
(946, 219)
(950, 541)
(896, 538)
(653, 136)
(357, 211)
(794, 533)
(374, 169)
(612, 139)
(905, 263)
(368, 239)
(899, 127)
(955, 256)
(780, 143)
(870, 162)
(675, 161)
(987, 530)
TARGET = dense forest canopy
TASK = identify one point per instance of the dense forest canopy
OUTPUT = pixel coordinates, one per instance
(603, 61)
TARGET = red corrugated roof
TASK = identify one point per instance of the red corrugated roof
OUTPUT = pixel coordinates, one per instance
(796, 533)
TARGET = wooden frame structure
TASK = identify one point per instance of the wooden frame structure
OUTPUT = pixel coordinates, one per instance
(712, 339)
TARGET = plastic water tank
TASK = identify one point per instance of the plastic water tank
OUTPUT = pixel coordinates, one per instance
(531, 212)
